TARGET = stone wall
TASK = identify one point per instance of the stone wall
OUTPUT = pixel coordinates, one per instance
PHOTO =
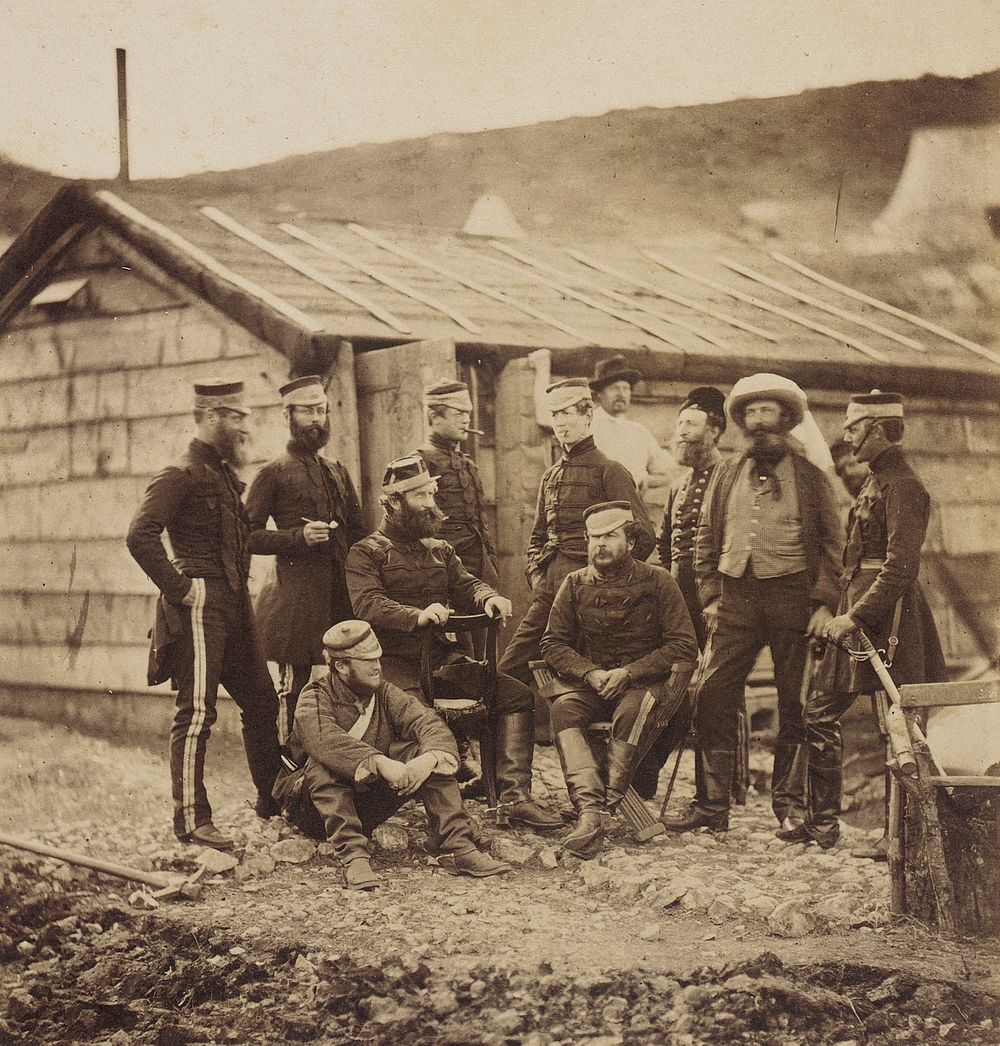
(93, 402)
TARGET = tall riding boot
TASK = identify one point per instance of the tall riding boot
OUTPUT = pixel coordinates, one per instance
(825, 780)
(788, 784)
(515, 745)
(879, 850)
(710, 808)
(622, 758)
(586, 790)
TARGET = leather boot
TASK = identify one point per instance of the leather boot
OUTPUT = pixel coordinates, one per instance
(825, 784)
(515, 746)
(622, 758)
(878, 850)
(470, 773)
(788, 783)
(586, 790)
(710, 809)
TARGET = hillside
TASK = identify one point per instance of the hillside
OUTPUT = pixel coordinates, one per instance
(640, 172)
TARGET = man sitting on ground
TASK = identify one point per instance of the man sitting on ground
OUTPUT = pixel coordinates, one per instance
(364, 748)
(615, 631)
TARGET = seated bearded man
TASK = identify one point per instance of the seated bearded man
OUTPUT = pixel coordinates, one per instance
(363, 748)
(615, 631)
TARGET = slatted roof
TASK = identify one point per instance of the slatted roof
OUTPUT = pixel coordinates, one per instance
(706, 298)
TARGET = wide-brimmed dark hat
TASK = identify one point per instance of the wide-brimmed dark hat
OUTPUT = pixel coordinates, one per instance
(614, 369)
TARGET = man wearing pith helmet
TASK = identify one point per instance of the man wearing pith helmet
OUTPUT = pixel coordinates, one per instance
(317, 517)
(204, 632)
(616, 629)
(363, 748)
(407, 582)
(766, 554)
(879, 596)
(582, 477)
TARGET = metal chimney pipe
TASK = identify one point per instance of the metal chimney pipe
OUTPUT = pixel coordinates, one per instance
(123, 175)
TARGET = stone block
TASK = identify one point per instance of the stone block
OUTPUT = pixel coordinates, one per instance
(193, 340)
(969, 529)
(35, 404)
(982, 432)
(45, 565)
(154, 442)
(956, 478)
(48, 617)
(78, 509)
(99, 448)
(90, 668)
(29, 354)
(34, 456)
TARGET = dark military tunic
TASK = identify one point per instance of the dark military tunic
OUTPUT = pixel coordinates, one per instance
(676, 541)
(309, 591)
(886, 531)
(460, 497)
(636, 620)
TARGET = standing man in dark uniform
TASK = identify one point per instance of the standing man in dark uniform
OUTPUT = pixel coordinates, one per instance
(880, 596)
(582, 477)
(701, 421)
(459, 489)
(405, 582)
(318, 517)
(204, 633)
(766, 562)
(616, 629)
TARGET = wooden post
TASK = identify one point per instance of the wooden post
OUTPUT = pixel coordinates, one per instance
(123, 172)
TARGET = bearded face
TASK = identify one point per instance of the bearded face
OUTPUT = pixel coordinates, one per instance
(312, 434)
(416, 520)
(765, 424)
(232, 440)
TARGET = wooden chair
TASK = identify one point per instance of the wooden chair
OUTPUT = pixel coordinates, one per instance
(633, 810)
(962, 860)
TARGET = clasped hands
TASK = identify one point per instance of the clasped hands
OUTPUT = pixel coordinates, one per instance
(609, 683)
(406, 778)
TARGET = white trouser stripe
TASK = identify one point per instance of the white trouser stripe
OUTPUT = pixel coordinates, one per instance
(648, 701)
(199, 686)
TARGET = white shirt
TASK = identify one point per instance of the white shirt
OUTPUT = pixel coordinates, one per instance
(630, 443)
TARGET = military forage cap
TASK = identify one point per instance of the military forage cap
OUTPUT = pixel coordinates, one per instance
(708, 399)
(607, 516)
(352, 639)
(562, 394)
(873, 405)
(227, 394)
(403, 474)
(448, 394)
(766, 387)
(306, 391)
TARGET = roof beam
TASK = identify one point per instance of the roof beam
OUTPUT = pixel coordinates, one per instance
(479, 288)
(18, 296)
(817, 303)
(206, 261)
(661, 292)
(766, 306)
(875, 303)
(624, 299)
(285, 256)
(325, 247)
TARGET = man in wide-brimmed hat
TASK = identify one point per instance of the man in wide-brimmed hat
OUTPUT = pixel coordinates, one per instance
(317, 517)
(619, 437)
(880, 596)
(766, 560)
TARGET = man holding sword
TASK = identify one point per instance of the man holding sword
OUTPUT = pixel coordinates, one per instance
(315, 509)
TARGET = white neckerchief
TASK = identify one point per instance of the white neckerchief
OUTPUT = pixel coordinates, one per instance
(358, 730)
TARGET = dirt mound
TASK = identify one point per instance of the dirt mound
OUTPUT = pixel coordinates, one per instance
(75, 970)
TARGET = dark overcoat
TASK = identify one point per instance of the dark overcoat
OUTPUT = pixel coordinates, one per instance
(308, 593)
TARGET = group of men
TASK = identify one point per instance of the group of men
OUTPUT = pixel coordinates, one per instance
(379, 700)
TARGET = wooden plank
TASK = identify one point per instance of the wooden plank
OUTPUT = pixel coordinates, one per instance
(287, 258)
(876, 303)
(818, 303)
(624, 299)
(766, 306)
(206, 261)
(938, 695)
(964, 782)
(17, 297)
(479, 288)
(325, 247)
(585, 299)
(677, 299)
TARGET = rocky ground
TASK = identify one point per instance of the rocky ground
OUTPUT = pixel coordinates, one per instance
(689, 939)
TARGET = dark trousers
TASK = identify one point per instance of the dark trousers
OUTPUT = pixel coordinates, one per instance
(292, 679)
(629, 715)
(218, 645)
(824, 769)
(524, 644)
(754, 613)
(347, 813)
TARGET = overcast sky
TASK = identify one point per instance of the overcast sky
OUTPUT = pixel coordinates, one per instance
(230, 83)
